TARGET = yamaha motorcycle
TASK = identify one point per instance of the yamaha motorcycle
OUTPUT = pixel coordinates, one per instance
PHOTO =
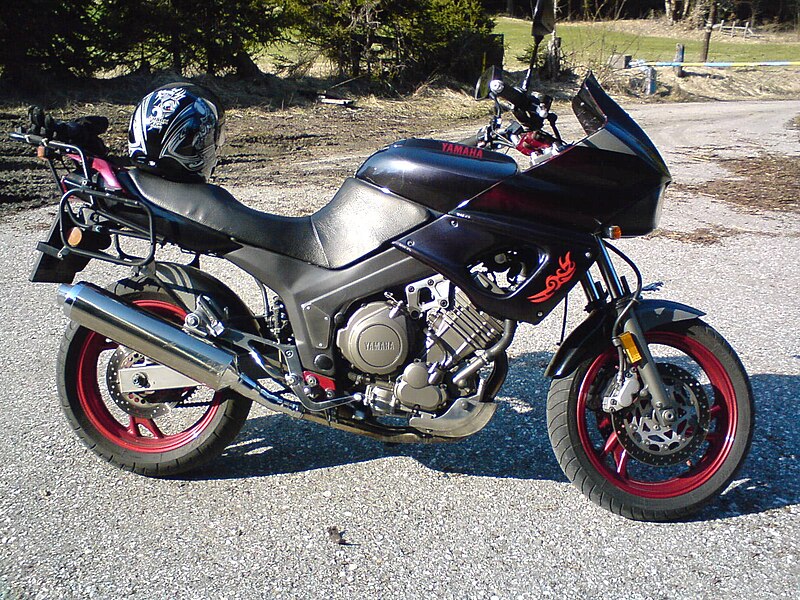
(388, 313)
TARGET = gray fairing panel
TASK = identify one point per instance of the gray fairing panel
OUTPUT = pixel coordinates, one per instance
(314, 296)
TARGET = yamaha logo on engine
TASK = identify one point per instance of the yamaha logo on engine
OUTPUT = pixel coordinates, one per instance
(378, 346)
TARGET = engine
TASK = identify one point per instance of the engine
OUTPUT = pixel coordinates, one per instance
(407, 351)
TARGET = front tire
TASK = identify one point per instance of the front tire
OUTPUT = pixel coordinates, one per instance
(628, 467)
(164, 433)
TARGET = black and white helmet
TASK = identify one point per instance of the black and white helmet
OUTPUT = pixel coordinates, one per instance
(176, 132)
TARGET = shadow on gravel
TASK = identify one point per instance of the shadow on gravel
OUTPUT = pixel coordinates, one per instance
(770, 477)
(515, 445)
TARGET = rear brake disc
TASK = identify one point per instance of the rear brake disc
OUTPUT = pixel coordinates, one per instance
(147, 405)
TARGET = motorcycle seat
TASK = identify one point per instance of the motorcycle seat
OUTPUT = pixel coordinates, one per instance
(359, 219)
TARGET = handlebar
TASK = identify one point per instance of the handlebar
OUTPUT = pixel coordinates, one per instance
(27, 138)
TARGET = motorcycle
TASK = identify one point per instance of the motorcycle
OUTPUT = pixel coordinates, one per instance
(388, 313)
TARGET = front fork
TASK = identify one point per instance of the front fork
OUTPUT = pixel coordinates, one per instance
(629, 339)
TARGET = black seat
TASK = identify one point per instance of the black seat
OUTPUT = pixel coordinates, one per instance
(357, 221)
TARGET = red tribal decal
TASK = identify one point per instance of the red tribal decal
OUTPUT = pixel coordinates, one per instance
(554, 282)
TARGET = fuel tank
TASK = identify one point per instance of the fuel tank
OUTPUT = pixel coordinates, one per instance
(437, 174)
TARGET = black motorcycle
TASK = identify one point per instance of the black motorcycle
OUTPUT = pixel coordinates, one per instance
(388, 312)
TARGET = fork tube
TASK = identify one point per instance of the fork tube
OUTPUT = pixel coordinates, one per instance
(590, 288)
(664, 404)
(608, 272)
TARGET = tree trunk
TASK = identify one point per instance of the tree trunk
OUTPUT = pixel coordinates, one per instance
(175, 51)
(712, 18)
(245, 65)
(687, 7)
(669, 10)
(511, 7)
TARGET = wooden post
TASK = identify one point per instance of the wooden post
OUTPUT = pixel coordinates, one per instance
(620, 61)
(651, 84)
(680, 53)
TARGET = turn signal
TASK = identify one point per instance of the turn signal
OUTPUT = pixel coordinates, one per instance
(629, 345)
(614, 232)
(74, 237)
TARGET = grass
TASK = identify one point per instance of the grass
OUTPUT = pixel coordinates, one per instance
(586, 45)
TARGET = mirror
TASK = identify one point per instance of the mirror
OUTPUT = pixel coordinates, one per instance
(544, 17)
(482, 87)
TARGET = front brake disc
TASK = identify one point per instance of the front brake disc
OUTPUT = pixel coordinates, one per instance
(646, 440)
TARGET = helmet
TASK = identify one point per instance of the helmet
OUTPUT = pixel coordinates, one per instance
(176, 131)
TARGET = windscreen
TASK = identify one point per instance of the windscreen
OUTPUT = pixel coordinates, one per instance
(589, 114)
(597, 111)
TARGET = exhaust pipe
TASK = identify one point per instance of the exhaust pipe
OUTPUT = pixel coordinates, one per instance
(101, 311)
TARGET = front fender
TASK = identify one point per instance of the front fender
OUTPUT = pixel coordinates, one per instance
(593, 335)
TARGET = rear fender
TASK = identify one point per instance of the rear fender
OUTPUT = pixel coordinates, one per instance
(592, 336)
(186, 283)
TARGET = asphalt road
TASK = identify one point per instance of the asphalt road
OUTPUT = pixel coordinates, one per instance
(491, 517)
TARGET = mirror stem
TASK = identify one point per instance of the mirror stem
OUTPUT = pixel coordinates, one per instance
(537, 39)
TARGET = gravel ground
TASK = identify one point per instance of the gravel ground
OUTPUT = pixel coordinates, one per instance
(491, 517)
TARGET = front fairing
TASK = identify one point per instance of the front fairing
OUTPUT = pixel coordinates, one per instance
(609, 127)
(614, 176)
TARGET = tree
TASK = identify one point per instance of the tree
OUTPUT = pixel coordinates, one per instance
(399, 42)
(669, 10)
(89, 36)
(45, 36)
(212, 36)
(712, 17)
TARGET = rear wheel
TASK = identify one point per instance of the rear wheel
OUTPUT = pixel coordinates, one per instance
(630, 464)
(159, 433)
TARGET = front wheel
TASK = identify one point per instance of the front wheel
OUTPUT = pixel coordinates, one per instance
(159, 433)
(630, 464)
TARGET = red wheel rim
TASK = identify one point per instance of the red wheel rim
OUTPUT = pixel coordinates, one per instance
(612, 460)
(94, 406)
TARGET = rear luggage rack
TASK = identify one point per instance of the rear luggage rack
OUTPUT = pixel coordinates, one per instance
(95, 222)
(92, 218)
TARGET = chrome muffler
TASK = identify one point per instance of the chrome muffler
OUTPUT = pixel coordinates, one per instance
(163, 342)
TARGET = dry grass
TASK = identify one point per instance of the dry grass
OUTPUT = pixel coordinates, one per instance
(763, 183)
(704, 236)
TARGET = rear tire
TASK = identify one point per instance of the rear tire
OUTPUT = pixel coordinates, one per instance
(192, 426)
(629, 467)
